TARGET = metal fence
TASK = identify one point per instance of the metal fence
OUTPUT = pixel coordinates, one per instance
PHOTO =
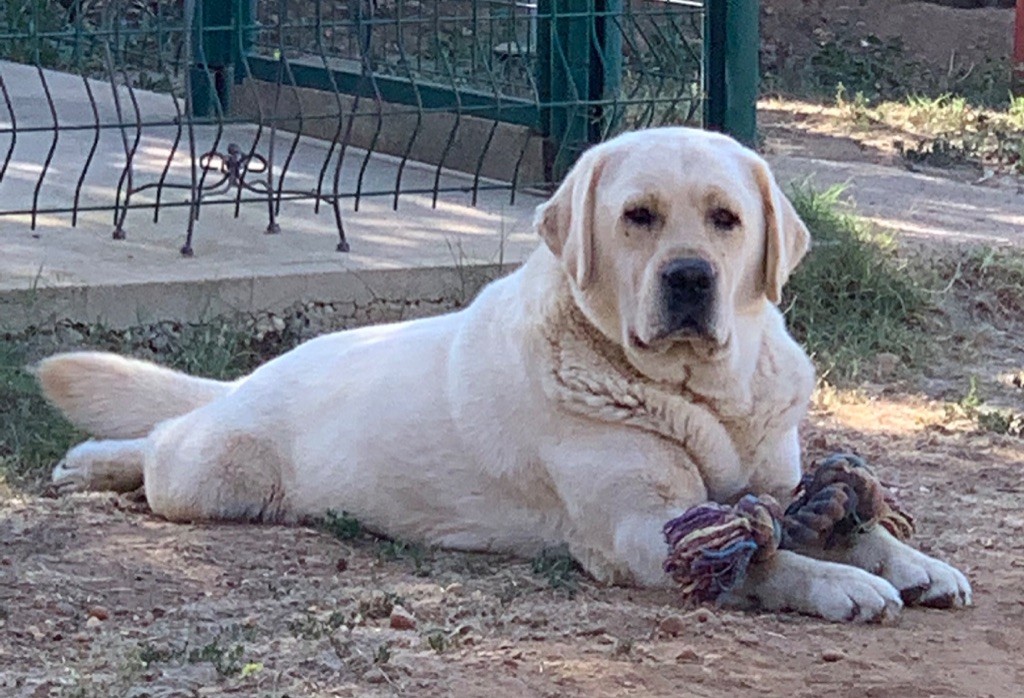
(193, 103)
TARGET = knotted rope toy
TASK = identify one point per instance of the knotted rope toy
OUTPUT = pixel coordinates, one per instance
(838, 500)
(712, 545)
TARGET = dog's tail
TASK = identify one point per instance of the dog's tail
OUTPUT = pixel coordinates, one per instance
(112, 397)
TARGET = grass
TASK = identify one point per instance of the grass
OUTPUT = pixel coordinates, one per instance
(33, 436)
(852, 297)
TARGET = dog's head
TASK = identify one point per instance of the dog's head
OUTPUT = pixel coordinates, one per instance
(669, 237)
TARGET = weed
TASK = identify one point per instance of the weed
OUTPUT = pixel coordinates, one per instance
(342, 526)
(379, 605)
(392, 550)
(997, 421)
(852, 298)
(559, 568)
(151, 654)
(312, 627)
(994, 279)
(382, 655)
(226, 660)
(1001, 422)
(437, 640)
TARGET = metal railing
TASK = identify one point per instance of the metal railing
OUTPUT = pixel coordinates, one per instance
(507, 92)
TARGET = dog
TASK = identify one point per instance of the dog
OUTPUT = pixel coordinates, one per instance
(635, 365)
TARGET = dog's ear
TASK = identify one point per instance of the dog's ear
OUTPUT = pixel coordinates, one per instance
(786, 237)
(565, 221)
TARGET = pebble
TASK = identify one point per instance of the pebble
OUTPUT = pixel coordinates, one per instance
(98, 612)
(401, 619)
(833, 655)
(749, 639)
(672, 625)
(687, 654)
(703, 615)
(374, 675)
(455, 589)
(93, 622)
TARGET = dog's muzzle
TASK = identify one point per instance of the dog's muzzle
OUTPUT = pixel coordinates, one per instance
(688, 297)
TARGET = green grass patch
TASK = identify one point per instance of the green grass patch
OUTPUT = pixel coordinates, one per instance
(33, 436)
(852, 298)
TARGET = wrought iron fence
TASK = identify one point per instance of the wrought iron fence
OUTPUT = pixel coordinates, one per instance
(193, 103)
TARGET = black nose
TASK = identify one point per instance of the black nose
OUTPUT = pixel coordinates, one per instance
(689, 276)
(688, 296)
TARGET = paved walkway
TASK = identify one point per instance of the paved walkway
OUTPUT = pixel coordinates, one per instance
(80, 272)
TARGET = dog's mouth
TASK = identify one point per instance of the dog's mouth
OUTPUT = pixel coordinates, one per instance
(706, 346)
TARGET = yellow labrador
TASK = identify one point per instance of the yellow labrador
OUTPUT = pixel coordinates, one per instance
(634, 366)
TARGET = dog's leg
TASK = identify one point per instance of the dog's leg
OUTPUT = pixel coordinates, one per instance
(96, 466)
(786, 582)
(789, 581)
(920, 579)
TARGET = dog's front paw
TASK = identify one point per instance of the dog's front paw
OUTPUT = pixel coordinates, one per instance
(922, 580)
(844, 593)
(793, 582)
(925, 581)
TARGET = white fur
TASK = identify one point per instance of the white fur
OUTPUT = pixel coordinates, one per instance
(531, 417)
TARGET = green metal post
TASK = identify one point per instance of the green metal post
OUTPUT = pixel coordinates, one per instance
(244, 35)
(579, 50)
(731, 67)
(214, 50)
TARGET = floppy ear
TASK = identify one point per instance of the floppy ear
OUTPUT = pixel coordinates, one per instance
(786, 237)
(566, 220)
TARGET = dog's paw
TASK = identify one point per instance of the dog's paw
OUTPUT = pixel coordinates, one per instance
(837, 592)
(844, 593)
(68, 476)
(925, 581)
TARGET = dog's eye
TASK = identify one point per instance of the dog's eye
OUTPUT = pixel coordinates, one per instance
(641, 216)
(723, 218)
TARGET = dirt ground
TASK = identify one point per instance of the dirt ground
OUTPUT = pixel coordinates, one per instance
(100, 598)
(952, 44)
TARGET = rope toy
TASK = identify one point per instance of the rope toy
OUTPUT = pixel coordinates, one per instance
(838, 500)
(712, 545)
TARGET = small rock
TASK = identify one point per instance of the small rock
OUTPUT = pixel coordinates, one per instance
(401, 619)
(93, 622)
(455, 589)
(98, 612)
(687, 654)
(342, 564)
(833, 656)
(375, 675)
(703, 615)
(672, 625)
(749, 639)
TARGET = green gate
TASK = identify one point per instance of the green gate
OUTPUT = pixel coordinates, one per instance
(508, 92)
(575, 71)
